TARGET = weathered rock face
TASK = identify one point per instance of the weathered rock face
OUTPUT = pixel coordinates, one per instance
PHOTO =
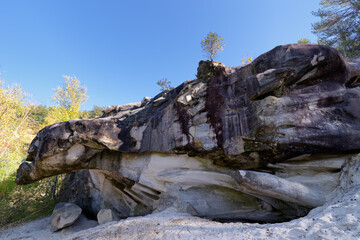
(106, 215)
(261, 142)
(64, 215)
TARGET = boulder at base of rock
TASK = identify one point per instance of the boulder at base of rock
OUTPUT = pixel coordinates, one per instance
(106, 215)
(64, 215)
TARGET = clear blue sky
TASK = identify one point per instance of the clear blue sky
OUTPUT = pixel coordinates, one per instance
(120, 49)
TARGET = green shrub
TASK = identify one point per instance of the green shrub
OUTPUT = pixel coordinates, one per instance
(20, 204)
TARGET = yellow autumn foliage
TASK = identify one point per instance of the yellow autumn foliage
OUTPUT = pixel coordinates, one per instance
(14, 127)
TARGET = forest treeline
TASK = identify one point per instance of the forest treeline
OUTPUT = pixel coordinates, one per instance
(20, 119)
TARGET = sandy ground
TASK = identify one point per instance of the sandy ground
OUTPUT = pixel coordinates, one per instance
(40, 229)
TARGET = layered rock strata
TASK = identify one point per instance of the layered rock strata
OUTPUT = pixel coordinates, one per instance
(263, 142)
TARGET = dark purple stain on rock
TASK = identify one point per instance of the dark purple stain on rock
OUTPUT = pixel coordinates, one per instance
(124, 136)
(184, 119)
(215, 102)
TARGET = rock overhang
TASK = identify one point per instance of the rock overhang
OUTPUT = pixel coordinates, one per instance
(290, 101)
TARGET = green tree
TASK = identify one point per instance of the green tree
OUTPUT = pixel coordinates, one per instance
(70, 96)
(15, 129)
(164, 84)
(304, 40)
(339, 26)
(19, 121)
(97, 111)
(38, 115)
(212, 44)
(56, 114)
(68, 100)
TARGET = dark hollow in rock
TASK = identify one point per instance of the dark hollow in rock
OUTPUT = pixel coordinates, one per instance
(265, 142)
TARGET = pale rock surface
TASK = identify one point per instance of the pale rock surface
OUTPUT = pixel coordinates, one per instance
(336, 219)
(64, 215)
(106, 215)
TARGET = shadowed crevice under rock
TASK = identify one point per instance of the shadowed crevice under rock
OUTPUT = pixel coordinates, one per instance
(263, 142)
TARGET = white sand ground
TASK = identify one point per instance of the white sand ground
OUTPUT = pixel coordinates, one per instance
(337, 219)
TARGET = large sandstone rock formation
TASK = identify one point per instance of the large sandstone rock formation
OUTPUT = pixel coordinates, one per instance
(262, 142)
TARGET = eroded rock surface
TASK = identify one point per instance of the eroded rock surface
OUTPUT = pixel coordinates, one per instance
(262, 142)
(106, 215)
(64, 215)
